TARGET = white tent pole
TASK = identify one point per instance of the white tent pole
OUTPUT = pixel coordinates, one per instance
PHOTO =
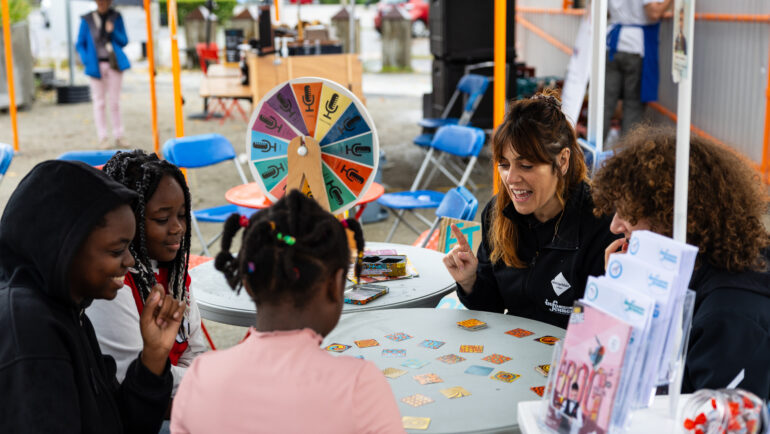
(598, 61)
(683, 109)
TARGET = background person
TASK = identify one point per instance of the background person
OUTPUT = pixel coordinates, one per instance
(726, 204)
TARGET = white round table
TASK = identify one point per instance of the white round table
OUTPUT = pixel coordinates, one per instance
(491, 406)
(218, 302)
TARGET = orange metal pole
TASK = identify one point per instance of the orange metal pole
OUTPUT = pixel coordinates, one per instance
(9, 71)
(540, 32)
(151, 66)
(550, 11)
(498, 88)
(276, 4)
(766, 136)
(175, 69)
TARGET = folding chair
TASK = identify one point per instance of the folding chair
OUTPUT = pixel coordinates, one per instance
(94, 158)
(458, 203)
(454, 140)
(207, 54)
(592, 158)
(201, 151)
(6, 156)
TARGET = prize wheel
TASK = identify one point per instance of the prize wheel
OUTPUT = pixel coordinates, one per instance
(313, 134)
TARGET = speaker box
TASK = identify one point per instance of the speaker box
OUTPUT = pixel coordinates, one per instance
(463, 30)
(265, 30)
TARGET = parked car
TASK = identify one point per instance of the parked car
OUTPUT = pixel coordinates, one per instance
(416, 9)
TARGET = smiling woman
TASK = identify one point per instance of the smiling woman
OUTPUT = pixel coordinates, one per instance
(540, 240)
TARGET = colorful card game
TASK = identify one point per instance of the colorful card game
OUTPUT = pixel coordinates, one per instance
(337, 348)
(519, 333)
(398, 337)
(450, 359)
(543, 369)
(393, 372)
(455, 392)
(393, 353)
(471, 348)
(496, 358)
(506, 377)
(478, 370)
(472, 324)
(432, 344)
(411, 422)
(416, 400)
(366, 343)
(428, 378)
(414, 363)
(539, 390)
(548, 340)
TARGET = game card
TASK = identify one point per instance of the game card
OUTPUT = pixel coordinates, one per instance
(506, 377)
(478, 370)
(416, 400)
(496, 358)
(543, 369)
(411, 422)
(364, 293)
(398, 337)
(337, 348)
(393, 372)
(450, 359)
(471, 348)
(432, 344)
(366, 343)
(539, 390)
(393, 353)
(428, 378)
(548, 340)
(455, 392)
(472, 324)
(414, 363)
(519, 333)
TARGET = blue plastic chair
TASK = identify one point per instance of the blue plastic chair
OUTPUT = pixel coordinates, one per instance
(6, 156)
(94, 158)
(592, 158)
(201, 151)
(454, 140)
(458, 203)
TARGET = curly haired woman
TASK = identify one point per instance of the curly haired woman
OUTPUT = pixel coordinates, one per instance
(726, 201)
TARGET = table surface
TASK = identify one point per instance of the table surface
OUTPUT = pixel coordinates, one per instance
(218, 302)
(223, 87)
(250, 196)
(491, 406)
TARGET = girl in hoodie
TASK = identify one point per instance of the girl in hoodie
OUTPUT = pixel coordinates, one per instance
(161, 249)
(64, 239)
(293, 260)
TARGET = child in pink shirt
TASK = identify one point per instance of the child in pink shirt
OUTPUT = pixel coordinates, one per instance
(293, 260)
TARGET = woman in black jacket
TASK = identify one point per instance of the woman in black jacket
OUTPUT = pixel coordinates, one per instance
(725, 207)
(64, 239)
(540, 239)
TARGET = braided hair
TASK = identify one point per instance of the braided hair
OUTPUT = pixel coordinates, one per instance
(142, 173)
(287, 249)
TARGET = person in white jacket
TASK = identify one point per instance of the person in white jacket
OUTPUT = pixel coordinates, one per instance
(161, 249)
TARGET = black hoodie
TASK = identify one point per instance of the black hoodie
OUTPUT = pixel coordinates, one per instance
(53, 377)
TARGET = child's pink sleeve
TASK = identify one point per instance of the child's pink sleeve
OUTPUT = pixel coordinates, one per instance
(374, 406)
(179, 413)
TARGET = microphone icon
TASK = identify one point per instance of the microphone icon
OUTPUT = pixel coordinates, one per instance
(331, 106)
(285, 105)
(308, 99)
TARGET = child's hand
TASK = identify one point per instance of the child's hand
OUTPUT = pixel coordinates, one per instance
(618, 246)
(159, 324)
(461, 262)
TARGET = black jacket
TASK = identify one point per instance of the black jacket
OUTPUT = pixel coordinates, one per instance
(559, 262)
(53, 377)
(730, 331)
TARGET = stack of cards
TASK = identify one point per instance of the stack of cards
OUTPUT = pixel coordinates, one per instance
(472, 324)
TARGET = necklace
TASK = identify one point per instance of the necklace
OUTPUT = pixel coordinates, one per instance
(556, 227)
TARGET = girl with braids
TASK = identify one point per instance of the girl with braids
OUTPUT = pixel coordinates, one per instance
(161, 249)
(540, 240)
(293, 260)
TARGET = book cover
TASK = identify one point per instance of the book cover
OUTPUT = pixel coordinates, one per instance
(589, 372)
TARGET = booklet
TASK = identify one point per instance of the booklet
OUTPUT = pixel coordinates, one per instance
(589, 373)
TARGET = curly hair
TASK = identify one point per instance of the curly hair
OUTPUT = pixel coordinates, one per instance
(726, 199)
(537, 130)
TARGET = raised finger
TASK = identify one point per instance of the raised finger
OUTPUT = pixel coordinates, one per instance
(461, 240)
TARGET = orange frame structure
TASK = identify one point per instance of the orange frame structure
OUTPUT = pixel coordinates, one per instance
(9, 71)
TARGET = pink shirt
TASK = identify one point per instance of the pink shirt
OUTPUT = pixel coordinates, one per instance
(283, 382)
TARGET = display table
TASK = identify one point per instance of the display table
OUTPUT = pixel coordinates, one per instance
(655, 419)
(218, 302)
(491, 406)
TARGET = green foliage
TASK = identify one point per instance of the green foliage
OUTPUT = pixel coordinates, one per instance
(223, 10)
(18, 10)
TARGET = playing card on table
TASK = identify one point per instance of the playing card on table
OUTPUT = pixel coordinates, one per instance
(507, 377)
(398, 337)
(450, 359)
(471, 348)
(472, 324)
(393, 372)
(543, 369)
(496, 358)
(393, 353)
(337, 348)
(548, 340)
(539, 390)
(416, 400)
(428, 378)
(367, 343)
(415, 422)
(519, 333)
(455, 392)
(432, 344)
(414, 363)
(478, 370)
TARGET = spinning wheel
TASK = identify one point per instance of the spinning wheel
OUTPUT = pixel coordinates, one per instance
(314, 135)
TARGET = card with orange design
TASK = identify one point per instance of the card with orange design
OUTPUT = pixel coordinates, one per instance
(471, 348)
(519, 333)
(506, 377)
(496, 358)
(548, 340)
(367, 343)
(472, 324)
(428, 378)
(416, 400)
(539, 390)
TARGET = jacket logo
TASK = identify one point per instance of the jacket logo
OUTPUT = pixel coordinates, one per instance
(560, 284)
